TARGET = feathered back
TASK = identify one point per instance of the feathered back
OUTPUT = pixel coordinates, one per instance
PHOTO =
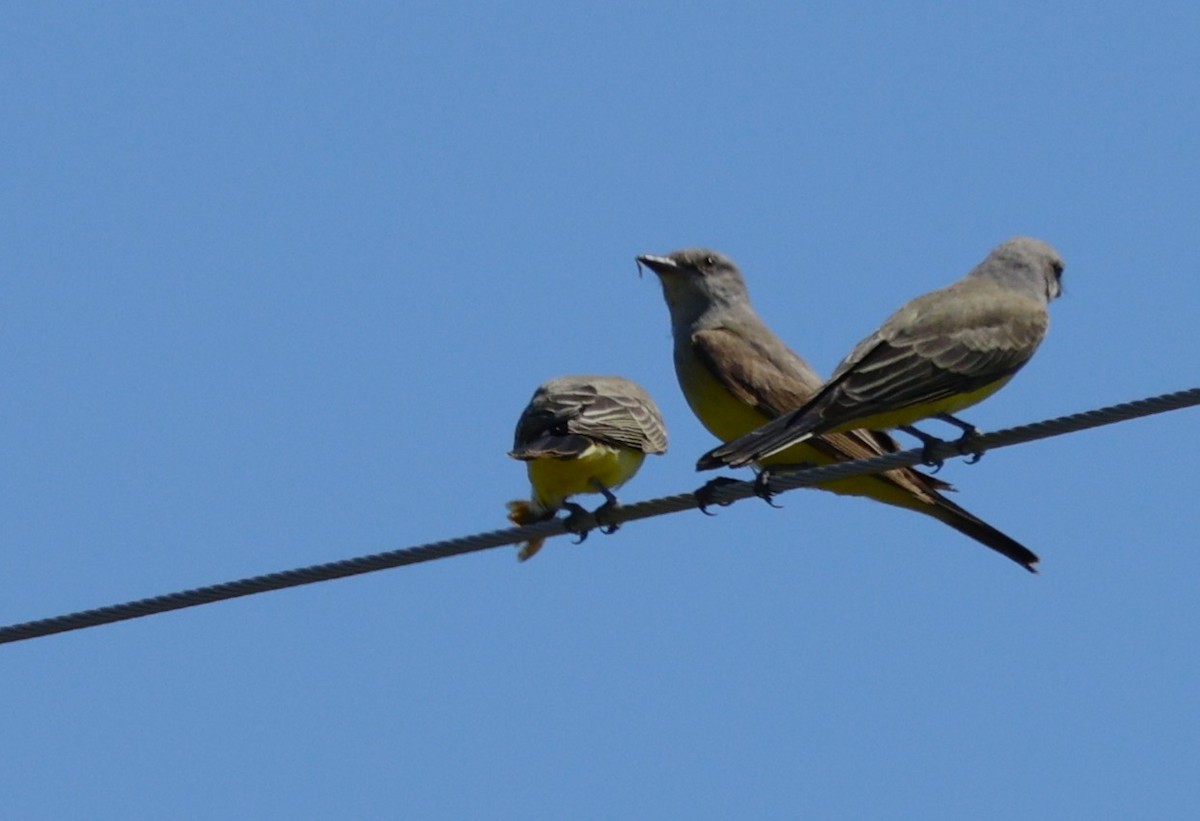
(566, 415)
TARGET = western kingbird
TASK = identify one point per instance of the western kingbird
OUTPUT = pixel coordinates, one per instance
(582, 434)
(938, 354)
(737, 375)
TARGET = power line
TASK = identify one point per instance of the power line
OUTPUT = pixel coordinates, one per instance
(640, 510)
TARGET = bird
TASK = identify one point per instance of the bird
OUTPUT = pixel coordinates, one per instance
(582, 434)
(736, 375)
(940, 353)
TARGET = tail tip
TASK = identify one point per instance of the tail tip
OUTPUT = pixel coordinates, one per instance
(712, 460)
(523, 512)
(529, 549)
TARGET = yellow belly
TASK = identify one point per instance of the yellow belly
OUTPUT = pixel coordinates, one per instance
(727, 417)
(906, 416)
(553, 480)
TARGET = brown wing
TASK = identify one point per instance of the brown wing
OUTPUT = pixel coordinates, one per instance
(566, 415)
(622, 413)
(766, 375)
(941, 345)
(775, 380)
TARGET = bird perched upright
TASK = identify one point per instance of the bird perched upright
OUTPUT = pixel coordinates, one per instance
(940, 353)
(582, 434)
(737, 375)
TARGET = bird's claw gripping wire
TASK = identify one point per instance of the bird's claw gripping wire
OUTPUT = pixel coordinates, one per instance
(577, 522)
(603, 514)
(964, 443)
(706, 495)
(928, 443)
(762, 488)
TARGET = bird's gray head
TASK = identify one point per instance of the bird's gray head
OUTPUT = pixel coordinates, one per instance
(1025, 263)
(696, 280)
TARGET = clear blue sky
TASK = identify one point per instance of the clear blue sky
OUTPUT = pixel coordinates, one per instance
(278, 279)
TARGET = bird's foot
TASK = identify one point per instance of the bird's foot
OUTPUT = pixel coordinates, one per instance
(762, 487)
(967, 446)
(928, 443)
(706, 495)
(603, 514)
(578, 521)
(965, 443)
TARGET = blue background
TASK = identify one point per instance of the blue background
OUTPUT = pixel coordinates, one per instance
(279, 277)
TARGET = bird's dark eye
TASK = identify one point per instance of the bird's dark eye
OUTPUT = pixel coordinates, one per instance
(710, 260)
(1058, 269)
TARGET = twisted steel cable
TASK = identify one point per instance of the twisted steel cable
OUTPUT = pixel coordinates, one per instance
(641, 510)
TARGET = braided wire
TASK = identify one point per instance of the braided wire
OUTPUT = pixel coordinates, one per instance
(642, 510)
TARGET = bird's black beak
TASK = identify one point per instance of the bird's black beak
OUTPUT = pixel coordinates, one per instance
(659, 265)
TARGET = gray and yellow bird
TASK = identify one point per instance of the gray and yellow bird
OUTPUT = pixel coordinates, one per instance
(582, 434)
(737, 375)
(940, 353)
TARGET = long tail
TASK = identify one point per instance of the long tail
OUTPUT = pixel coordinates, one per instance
(522, 512)
(971, 525)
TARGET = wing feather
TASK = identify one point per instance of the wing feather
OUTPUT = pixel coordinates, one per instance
(940, 345)
(776, 381)
(771, 379)
(566, 415)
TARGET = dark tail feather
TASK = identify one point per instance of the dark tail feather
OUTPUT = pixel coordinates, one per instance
(970, 525)
(777, 434)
